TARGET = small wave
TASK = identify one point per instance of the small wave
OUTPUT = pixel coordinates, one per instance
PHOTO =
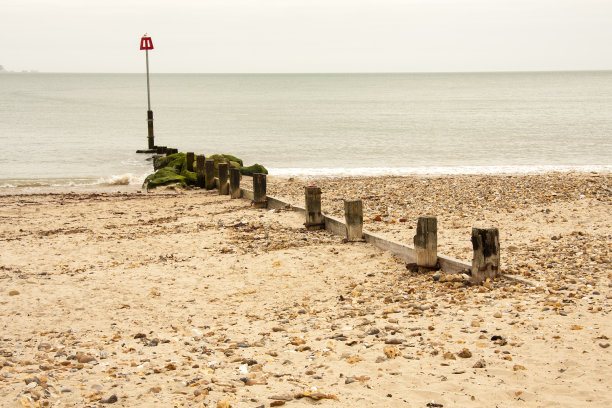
(437, 170)
(122, 180)
(126, 179)
(25, 183)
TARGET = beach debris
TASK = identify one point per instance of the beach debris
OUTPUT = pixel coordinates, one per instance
(315, 395)
(480, 364)
(111, 399)
(281, 397)
(84, 358)
(392, 352)
(354, 359)
(449, 356)
(518, 367)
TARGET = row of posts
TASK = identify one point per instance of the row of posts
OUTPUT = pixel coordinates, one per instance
(165, 150)
(485, 241)
(228, 178)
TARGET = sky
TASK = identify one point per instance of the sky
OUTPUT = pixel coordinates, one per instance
(261, 36)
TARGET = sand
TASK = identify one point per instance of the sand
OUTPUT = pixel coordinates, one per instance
(191, 299)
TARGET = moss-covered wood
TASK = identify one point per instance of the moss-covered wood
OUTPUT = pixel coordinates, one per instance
(163, 177)
(173, 169)
(253, 169)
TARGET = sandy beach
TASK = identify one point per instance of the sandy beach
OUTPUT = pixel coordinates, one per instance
(190, 299)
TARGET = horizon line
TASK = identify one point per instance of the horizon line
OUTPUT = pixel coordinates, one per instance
(313, 73)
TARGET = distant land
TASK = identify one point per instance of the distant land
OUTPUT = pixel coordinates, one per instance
(5, 71)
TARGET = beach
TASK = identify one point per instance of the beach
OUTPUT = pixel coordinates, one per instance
(187, 298)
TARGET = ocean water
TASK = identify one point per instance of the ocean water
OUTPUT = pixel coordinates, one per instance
(84, 129)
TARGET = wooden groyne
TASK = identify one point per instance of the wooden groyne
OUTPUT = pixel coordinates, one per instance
(338, 227)
(486, 263)
(423, 256)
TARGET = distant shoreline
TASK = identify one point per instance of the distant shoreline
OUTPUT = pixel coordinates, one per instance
(318, 73)
(131, 184)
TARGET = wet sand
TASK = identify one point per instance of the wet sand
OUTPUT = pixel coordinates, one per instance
(191, 299)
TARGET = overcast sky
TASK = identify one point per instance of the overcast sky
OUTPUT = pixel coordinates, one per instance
(306, 35)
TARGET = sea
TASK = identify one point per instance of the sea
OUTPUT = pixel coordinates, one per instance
(81, 131)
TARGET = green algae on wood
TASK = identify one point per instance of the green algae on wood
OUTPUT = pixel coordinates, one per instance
(164, 176)
(172, 169)
(255, 168)
(234, 159)
(175, 160)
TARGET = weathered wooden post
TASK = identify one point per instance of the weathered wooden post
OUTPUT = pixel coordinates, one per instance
(150, 137)
(235, 191)
(353, 215)
(426, 242)
(159, 149)
(485, 263)
(259, 191)
(223, 187)
(200, 160)
(314, 217)
(209, 174)
(190, 157)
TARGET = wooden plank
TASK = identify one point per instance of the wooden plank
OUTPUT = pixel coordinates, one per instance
(334, 225)
(519, 279)
(247, 194)
(338, 227)
(276, 204)
(402, 251)
(452, 265)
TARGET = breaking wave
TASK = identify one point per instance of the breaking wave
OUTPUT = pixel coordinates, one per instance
(434, 170)
(127, 179)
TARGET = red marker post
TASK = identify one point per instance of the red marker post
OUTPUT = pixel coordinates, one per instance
(147, 44)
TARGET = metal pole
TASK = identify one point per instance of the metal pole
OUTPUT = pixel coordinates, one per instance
(148, 87)
(149, 111)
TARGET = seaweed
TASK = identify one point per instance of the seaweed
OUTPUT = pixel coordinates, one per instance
(165, 176)
(172, 169)
(176, 160)
(234, 159)
(255, 168)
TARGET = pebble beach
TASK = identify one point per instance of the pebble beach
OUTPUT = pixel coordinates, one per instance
(191, 299)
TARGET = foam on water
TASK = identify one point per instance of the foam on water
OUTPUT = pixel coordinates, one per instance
(128, 182)
(123, 180)
(115, 180)
(433, 170)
